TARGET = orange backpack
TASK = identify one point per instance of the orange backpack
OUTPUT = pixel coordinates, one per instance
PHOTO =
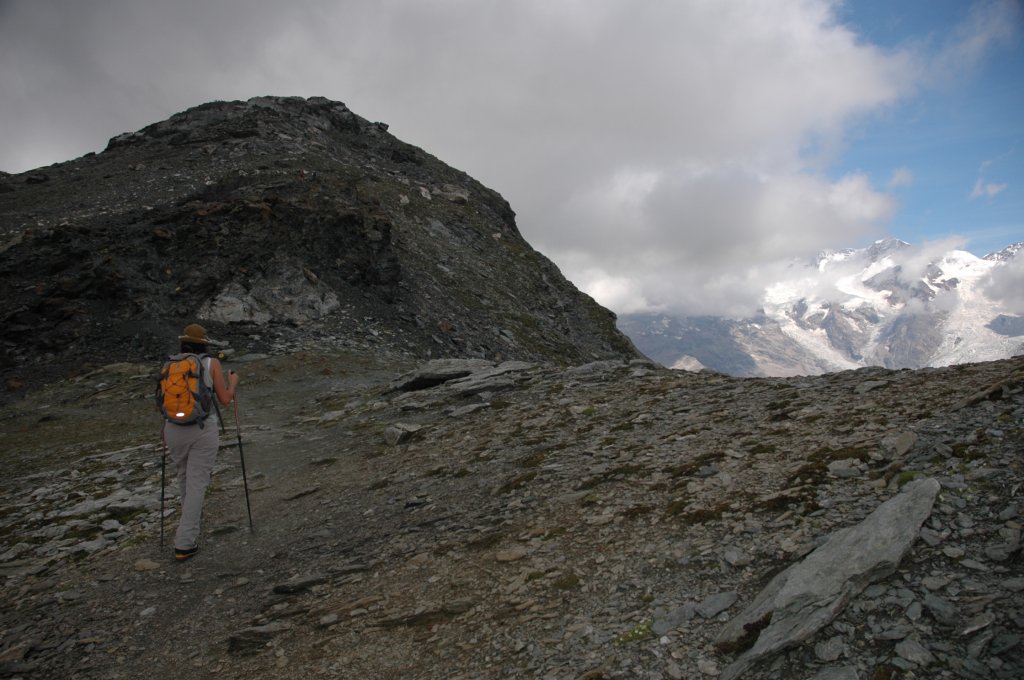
(183, 395)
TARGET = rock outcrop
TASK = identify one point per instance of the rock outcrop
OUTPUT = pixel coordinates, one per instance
(263, 216)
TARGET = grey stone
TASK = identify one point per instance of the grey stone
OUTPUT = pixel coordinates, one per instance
(439, 371)
(840, 673)
(869, 385)
(954, 552)
(972, 668)
(136, 504)
(983, 473)
(736, 557)
(92, 546)
(942, 610)
(716, 604)
(808, 595)
(674, 619)
(897, 632)
(1004, 642)
(977, 646)
(399, 433)
(285, 292)
(86, 507)
(830, 650)
(978, 623)
(1009, 512)
(875, 591)
(14, 552)
(914, 652)
(904, 443)
(467, 410)
(847, 468)
(1000, 552)
(934, 582)
(1015, 584)
(930, 537)
(252, 640)
(481, 384)
(595, 369)
(299, 584)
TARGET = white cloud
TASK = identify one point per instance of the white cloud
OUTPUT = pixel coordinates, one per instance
(990, 23)
(1006, 284)
(916, 260)
(708, 242)
(988, 189)
(620, 293)
(901, 177)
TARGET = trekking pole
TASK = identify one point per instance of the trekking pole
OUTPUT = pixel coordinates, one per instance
(241, 456)
(163, 482)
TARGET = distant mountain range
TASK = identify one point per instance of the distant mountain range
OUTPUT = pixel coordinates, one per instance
(885, 305)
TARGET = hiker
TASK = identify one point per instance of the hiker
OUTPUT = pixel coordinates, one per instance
(193, 446)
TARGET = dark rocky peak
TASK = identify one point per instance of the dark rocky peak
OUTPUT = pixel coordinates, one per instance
(880, 249)
(257, 117)
(885, 279)
(902, 289)
(1007, 253)
(278, 222)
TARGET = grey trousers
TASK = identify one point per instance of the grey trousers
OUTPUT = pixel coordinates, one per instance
(193, 451)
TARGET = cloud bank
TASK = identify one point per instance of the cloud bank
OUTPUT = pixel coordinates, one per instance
(1006, 284)
(667, 156)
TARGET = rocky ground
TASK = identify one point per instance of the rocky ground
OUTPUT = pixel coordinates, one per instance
(477, 520)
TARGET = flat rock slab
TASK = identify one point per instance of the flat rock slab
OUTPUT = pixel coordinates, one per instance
(439, 371)
(299, 584)
(253, 640)
(716, 604)
(810, 594)
(399, 433)
(841, 673)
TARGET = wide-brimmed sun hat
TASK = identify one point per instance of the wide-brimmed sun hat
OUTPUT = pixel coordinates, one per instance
(196, 334)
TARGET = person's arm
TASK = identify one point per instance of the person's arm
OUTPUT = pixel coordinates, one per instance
(223, 385)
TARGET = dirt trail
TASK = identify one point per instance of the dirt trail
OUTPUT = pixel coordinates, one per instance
(135, 617)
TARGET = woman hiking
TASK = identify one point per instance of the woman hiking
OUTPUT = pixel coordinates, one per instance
(193, 445)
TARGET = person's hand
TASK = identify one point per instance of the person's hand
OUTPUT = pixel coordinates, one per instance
(232, 379)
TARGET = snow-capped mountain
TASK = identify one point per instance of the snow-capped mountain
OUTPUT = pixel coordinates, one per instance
(888, 305)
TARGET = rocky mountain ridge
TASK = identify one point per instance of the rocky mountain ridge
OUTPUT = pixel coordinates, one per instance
(885, 305)
(264, 216)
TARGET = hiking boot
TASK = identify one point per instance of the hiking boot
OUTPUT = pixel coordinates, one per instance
(182, 555)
